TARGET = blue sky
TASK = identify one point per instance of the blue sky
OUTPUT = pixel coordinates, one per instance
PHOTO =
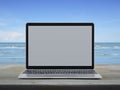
(104, 13)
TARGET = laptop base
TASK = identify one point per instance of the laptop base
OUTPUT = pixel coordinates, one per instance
(71, 74)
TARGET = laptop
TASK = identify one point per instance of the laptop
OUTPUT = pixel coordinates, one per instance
(60, 50)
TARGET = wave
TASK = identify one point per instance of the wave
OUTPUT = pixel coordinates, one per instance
(113, 54)
(11, 57)
(12, 47)
(106, 47)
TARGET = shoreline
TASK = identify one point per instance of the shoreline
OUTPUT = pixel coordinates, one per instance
(24, 65)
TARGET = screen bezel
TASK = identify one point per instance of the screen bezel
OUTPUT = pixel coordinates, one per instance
(59, 24)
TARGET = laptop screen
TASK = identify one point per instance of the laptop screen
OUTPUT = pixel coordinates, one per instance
(67, 45)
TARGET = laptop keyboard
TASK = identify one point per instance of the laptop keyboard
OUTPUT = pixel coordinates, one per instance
(59, 71)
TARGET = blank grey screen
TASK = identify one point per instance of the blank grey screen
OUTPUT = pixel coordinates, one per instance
(60, 45)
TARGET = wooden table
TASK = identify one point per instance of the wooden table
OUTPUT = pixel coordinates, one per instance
(110, 73)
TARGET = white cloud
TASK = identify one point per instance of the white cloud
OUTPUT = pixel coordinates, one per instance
(7, 36)
(2, 24)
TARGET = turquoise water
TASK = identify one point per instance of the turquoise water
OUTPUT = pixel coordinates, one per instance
(14, 53)
(107, 53)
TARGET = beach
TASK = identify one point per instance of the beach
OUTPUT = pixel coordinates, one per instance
(9, 75)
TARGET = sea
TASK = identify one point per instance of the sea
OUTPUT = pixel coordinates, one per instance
(14, 53)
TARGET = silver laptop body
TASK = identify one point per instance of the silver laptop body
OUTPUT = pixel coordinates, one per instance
(60, 50)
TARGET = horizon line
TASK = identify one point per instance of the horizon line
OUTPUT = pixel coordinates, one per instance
(94, 42)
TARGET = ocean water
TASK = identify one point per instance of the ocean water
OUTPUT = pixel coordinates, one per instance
(14, 53)
(107, 53)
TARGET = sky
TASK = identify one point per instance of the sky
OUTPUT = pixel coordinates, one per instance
(14, 14)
